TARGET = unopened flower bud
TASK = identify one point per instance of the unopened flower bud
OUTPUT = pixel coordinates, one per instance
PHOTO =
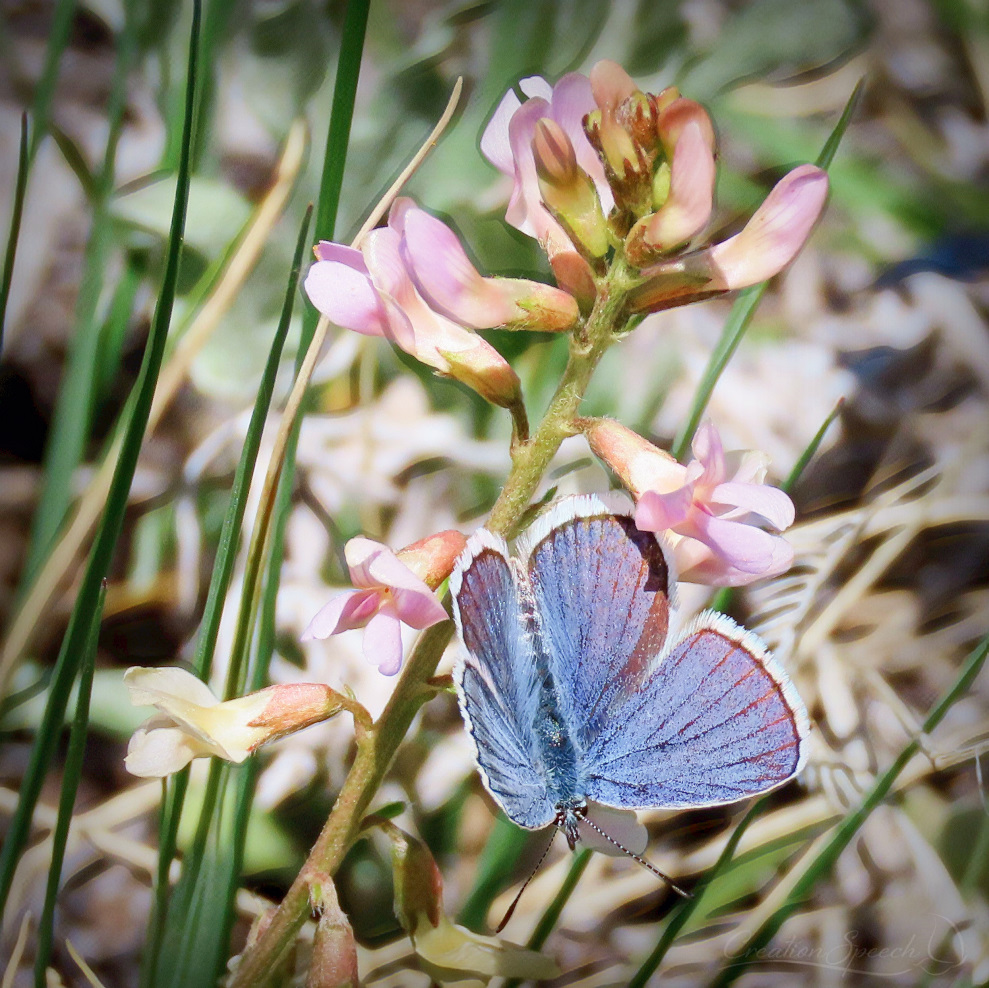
(567, 190)
(447, 952)
(638, 464)
(193, 723)
(432, 558)
(334, 954)
(688, 203)
(611, 85)
(484, 370)
(675, 116)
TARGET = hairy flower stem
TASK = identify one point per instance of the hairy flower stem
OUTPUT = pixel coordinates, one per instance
(587, 346)
(376, 747)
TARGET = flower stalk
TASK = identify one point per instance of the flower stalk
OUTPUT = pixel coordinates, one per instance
(647, 164)
(377, 747)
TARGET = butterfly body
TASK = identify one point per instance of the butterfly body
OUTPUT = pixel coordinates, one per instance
(573, 692)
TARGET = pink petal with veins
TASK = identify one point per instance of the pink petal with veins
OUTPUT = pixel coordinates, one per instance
(709, 453)
(688, 209)
(387, 570)
(446, 277)
(327, 250)
(419, 609)
(741, 547)
(495, 145)
(347, 297)
(360, 553)
(775, 234)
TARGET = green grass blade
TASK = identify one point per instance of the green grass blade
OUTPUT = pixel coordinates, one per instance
(72, 419)
(830, 148)
(16, 212)
(738, 322)
(118, 320)
(265, 650)
(687, 907)
(811, 451)
(748, 300)
(58, 39)
(98, 564)
(849, 827)
(67, 800)
(341, 117)
(337, 142)
(501, 852)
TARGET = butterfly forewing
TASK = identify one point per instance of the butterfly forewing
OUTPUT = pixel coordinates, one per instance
(498, 680)
(716, 721)
(602, 590)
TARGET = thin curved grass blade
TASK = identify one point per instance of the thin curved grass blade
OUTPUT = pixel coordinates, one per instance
(67, 799)
(17, 210)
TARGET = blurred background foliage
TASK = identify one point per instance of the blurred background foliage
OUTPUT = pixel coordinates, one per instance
(886, 308)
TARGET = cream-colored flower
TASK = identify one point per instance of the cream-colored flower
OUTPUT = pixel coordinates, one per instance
(449, 953)
(193, 723)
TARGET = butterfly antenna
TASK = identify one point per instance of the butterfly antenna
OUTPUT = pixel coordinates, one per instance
(525, 885)
(635, 857)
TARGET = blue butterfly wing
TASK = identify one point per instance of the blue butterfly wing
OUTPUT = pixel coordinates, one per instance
(602, 591)
(498, 679)
(710, 720)
(718, 720)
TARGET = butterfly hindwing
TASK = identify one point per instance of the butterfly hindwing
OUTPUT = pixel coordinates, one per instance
(498, 680)
(718, 720)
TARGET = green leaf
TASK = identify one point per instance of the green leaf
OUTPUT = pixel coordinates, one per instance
(766, 36)
(219, 211)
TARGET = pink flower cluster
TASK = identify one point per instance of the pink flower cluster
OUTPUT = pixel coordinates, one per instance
(611, 135)
(412, 283)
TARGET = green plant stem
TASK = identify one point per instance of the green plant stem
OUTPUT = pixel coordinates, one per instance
(530, 459)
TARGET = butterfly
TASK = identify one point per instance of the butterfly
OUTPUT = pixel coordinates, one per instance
(576, 694)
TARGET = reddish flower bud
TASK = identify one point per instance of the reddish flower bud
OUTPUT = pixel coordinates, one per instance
(432, 558)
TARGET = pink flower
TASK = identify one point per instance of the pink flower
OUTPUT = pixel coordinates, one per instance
(390, 590)
(412, 283)
(507, 142)
(687, 136)
(648, 162)
(766, 244)
(712, 506)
